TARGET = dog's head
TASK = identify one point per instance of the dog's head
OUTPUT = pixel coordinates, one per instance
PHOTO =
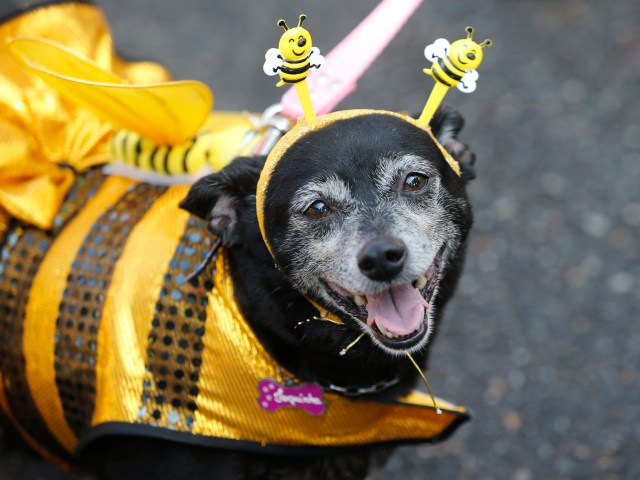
(364, 216)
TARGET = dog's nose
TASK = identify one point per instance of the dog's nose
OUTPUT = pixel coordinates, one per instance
(382, 258)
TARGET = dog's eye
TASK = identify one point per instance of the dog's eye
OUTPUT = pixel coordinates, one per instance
(317, 209)
(415, 182)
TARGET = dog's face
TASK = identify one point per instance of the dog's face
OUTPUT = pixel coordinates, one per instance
(363, 216)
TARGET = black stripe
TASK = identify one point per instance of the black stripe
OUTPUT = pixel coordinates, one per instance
(17, 270)
(152, 158)
(185, 163)
(444, 81)
(123, 146)
(83, 299)
(448, 69)
(165, 163)
(84, 189)
(294, 71)
(138, 152)
(159, 163)
(292, 81)
(298, 61)
(21, 255)
(174, 351)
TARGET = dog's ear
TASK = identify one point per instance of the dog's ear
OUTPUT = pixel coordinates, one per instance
(446, 124)
(219, 198)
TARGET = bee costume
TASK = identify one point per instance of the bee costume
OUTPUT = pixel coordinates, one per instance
(88, 349)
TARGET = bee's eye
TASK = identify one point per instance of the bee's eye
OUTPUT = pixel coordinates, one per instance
(471, 56)
(291, 40)
(317, 210)
(415, 183)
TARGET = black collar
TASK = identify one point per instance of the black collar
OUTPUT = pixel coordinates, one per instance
(355, 391)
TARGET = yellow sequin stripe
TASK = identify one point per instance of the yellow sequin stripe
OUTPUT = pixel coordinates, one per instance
(129, 309)
(45, 297)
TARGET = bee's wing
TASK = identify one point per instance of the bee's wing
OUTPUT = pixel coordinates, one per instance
(167, 113)
(468, 82)
(315, 59)
(438, 49)
(272, 60)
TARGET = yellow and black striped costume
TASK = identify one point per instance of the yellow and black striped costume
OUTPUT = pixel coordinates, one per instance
(100, 333)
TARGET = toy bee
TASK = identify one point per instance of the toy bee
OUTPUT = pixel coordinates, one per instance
(453, 66)
(164, 133)
(293, 59)
(131, 149)
(294, 56)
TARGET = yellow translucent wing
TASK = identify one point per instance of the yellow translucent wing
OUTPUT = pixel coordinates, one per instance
(167, 113)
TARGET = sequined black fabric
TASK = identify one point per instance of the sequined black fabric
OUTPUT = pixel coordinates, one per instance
(175, 346)
(22, 253)
(83, 299)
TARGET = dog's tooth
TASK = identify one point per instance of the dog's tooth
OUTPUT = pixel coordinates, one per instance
(360, 300)
(420, 283)
(385, 332)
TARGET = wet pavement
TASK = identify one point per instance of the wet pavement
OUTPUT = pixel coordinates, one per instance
(542, 339)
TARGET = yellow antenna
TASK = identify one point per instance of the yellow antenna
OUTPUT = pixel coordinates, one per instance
(424, 379)
(352, 344)
(292, 60)
(453, 66)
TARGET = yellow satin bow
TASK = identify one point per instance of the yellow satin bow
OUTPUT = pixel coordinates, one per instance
(41, 132)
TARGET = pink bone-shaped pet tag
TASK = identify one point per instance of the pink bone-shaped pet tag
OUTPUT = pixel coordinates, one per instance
(274, 396)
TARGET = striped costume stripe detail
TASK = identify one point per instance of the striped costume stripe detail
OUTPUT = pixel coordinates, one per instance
(174, 349)
(21, 257)
(80, 311)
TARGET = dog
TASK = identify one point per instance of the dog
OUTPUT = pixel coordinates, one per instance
(260, 323)
(365, 219)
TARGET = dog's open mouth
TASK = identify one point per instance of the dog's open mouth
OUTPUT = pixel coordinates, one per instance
(396, 316)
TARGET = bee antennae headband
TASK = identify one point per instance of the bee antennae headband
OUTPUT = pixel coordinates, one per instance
(454, 65)
(283, 24)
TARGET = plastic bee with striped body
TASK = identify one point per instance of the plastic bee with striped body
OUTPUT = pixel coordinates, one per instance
(162, 133)
(294, 56)
(129, 148)
(454, 65)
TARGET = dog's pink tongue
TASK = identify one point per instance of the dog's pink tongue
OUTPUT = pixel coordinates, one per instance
(399, 310)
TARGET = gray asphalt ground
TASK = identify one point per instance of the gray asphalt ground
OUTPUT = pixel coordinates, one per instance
(542, 339)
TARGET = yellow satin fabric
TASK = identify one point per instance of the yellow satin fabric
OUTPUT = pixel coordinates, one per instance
(46, 295)
(39, 130)
(130, 303)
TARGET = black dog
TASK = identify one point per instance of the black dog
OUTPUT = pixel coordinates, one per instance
(362, 219)
(379, 189)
